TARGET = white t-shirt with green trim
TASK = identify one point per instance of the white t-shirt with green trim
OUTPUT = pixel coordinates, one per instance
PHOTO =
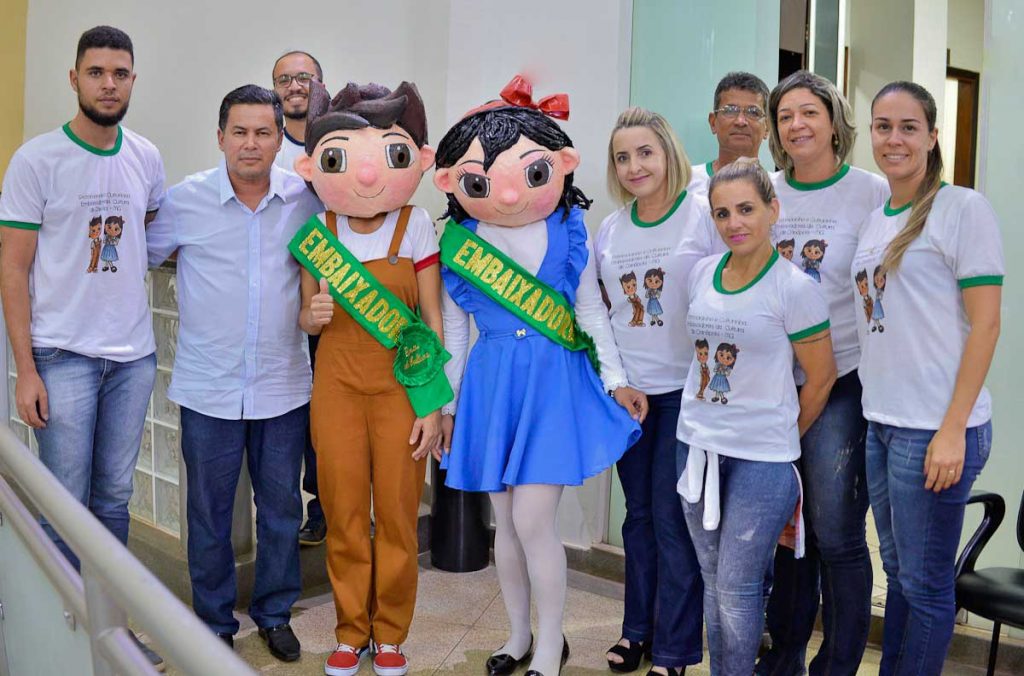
(817, 230)
(87, 282)
(700, 179)
(911, 323)
(740, 398)
(645, 268)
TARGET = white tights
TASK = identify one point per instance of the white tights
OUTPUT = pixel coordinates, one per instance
(528, 555)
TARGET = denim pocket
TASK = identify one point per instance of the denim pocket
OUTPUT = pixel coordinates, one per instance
(984, 433)
(46, 353)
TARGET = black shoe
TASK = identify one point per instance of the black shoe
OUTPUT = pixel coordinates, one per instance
(565, 658)
(503, 664)
(228, 639)
(313, 533)
(155, 660)
(282, 642)
(631, 656)
(672, 671)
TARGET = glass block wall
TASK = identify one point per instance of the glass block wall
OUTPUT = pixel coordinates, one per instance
(157, 498)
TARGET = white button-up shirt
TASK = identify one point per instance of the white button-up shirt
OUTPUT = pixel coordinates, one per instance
(241, 353)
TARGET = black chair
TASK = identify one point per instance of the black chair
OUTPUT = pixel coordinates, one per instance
(993, 593)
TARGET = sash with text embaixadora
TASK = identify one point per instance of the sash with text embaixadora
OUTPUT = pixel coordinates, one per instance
(419, 357)
(507, 283)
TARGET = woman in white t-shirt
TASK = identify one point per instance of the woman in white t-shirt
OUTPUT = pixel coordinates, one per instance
(823, 203)
(750, 310)
(645, 251)
(935, 251)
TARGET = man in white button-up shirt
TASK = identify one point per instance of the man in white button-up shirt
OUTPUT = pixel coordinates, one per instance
(241, 374)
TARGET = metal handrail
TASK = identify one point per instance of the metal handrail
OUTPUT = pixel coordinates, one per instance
(113, 581)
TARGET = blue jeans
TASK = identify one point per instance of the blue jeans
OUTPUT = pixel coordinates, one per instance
(918, 534)
(92, 439)
(758, 499)
(663, 583)
(314, 512)
(212, 448)
(837, 561)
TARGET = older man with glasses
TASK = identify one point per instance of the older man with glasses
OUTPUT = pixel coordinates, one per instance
(293, 71)
(738, 121)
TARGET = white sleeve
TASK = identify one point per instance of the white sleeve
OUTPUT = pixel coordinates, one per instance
(156, 190)
(21, 200)
(162, 233)
(805, 311)
(592, 316)
(422, 235)
(456, 341)
(600, 241)
(971, 243)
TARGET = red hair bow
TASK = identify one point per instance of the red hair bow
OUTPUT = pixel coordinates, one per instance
(519, 92)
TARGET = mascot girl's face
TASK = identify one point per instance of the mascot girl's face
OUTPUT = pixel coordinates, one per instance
(367, 171)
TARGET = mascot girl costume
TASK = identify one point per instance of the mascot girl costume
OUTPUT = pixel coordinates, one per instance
(532, 416)
(380, 382)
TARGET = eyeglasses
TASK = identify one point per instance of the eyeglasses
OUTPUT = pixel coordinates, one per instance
(302, 78)
(731, 112)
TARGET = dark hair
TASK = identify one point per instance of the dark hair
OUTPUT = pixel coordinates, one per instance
(655, 272)
(104, 37)
(251, 94)
(498, 129)
(701, 342)
(785, 243)
(727, 347)
(360, 106)
(319, 70)
(844, 134)
(747, 82)
(929, 187)
(628, 277)
(744, 169)
(820, 243)
(861, 276)
(95, 220)
(879, 270)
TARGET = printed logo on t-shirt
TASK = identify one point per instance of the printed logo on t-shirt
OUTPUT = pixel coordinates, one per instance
(812, 253)
(104, 233)
(809, 229)
(654, 282)
(714, 386)
(874, 313)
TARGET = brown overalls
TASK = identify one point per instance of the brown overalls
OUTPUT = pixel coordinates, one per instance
(361, 420)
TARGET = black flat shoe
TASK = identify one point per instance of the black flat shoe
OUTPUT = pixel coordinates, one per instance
(672, 671)
(503, 664)
(565, 658)
(631, 656)
(228, 639)
(281, 642)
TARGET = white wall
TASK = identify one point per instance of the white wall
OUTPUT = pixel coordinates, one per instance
(966, 39)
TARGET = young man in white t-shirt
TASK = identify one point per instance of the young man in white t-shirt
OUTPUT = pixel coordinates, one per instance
(74, 209)
(738, 121)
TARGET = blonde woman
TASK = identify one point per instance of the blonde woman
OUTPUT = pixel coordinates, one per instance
(936, 251)
(648, 248)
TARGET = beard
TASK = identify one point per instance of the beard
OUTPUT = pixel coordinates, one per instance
(102, 119)
(295, 115)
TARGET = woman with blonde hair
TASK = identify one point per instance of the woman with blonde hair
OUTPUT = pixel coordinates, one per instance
(823, 201)
(929, 415)
(655, 238)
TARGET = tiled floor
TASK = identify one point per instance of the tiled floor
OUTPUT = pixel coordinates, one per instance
(460, 620)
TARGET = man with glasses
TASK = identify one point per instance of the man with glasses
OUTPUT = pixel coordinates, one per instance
(738, 121)
(292, 74)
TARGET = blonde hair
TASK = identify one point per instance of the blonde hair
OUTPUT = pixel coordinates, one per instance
(744, 169)
(843, 131)
(925, 195)
(677, 164)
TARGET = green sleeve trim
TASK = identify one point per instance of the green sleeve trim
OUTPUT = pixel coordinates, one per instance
(21, 225)
(985, 280)
(800, 335)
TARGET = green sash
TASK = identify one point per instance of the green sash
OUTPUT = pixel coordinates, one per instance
(509, 285)
(420, 357)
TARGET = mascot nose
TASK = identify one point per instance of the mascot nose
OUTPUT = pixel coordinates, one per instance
(367, 175)
(508, 196)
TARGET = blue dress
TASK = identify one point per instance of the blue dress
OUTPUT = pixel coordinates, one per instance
(531, 411)
(877, 311)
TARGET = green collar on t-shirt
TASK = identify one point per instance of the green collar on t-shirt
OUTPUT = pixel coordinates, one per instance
(651, 224)
(721, 266)
(832, 180)
(710, 168)
(93, 149)
(889, 211)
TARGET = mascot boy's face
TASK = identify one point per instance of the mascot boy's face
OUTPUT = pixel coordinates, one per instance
(365, 172)
(523, 185)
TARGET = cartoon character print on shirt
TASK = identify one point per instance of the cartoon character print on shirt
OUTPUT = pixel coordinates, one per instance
(878, 312)
(654, 281)
(628, 282)
(812, 254)
(785, 248)
(701, 347)
(861, 278)
(725, 359)
(112, 229)
(95, 230)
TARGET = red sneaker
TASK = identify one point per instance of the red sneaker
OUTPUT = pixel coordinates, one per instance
(389, 660)
(344, 661)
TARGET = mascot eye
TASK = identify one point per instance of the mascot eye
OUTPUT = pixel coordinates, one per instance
(332, 160)
(399, 155)
(538, 173)
(475, 185)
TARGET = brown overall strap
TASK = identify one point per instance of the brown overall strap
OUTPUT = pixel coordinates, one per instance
(396, 240)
